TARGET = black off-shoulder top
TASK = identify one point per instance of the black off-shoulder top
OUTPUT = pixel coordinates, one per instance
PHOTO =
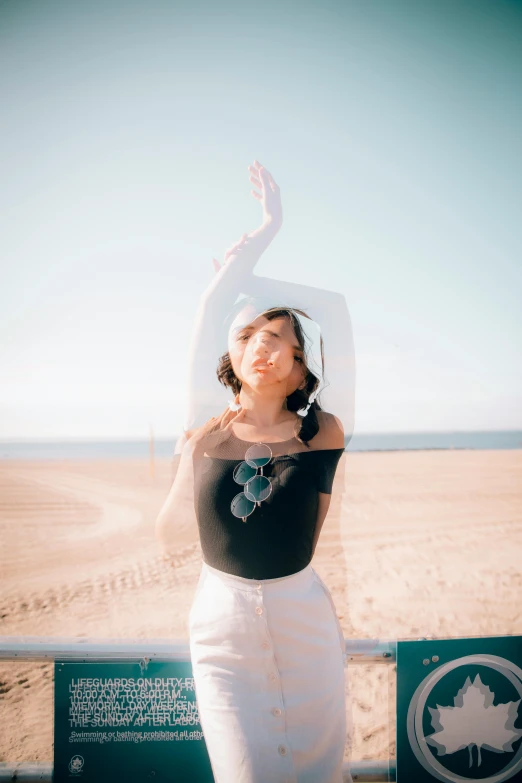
(276, 539)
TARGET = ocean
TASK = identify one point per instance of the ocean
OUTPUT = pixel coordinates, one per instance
(164, 447)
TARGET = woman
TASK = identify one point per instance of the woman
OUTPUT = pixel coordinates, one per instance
(266, 646)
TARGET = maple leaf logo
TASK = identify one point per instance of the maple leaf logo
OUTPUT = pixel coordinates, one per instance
(474, 720)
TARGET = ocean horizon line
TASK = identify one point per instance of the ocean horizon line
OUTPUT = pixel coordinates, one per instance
(137, 448)
(139, 438)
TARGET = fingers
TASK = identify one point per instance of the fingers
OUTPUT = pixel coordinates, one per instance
(263, 180)
(254, 175)
(268, 180)
(260, 168)
(238, 245)
(275, 186)
(265, 176)
(232, 250)
(261, 176)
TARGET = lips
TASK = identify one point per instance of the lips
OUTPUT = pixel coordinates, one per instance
(259, 364)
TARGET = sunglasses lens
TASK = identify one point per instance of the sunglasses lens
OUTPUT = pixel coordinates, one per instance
(258, 455)
(241, 506)
(243, 472)
(258, 488)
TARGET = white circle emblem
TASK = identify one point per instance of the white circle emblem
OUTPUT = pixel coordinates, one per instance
(416, 736)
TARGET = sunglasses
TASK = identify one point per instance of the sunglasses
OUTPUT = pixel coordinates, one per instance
(256, 487)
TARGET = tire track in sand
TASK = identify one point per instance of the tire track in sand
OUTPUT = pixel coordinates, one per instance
(161, 571)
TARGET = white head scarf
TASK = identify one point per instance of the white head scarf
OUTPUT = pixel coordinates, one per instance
(335, 392)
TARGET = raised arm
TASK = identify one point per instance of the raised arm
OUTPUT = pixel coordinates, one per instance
(236, 276)
(205, 394)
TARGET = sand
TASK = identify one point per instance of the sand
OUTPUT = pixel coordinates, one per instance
(427, 544)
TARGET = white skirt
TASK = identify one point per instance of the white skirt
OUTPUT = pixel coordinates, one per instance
(268, 661)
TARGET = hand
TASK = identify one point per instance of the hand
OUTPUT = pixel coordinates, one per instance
(269, 197)
(272, 216)
(232, 250)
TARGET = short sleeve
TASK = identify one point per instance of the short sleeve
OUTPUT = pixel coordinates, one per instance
(327, 461)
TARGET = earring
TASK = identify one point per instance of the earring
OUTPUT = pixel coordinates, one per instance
(304, 411)
(234, 404)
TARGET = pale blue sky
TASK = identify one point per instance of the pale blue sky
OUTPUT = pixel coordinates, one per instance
(393, 130)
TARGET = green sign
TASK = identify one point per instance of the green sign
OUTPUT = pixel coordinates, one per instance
(119, 721)
(459, 710)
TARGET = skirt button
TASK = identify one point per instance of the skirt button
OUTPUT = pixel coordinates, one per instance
(259, 610)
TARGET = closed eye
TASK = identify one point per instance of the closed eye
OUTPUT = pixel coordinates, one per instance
(247, 335)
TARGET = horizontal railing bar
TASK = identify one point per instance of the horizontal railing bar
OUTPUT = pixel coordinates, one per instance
(77, 648)
(27, 771)
(361, 771)
(371, 650)
(370, 771)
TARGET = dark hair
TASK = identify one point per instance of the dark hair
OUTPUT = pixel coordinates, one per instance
(299, 398)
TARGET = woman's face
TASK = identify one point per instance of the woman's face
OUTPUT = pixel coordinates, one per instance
(264, 352)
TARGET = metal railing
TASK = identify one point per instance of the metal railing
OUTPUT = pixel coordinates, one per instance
(50, 648)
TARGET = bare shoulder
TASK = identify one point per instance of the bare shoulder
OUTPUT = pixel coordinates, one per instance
(331, 432)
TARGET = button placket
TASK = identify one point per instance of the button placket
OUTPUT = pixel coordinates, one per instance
(277, 712)
(259, 611)
(264, 644)
(273, 676)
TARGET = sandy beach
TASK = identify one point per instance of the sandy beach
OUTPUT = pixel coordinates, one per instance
(426, 544)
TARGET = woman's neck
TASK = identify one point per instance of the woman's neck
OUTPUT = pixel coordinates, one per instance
(263, 411)
(251, 429)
